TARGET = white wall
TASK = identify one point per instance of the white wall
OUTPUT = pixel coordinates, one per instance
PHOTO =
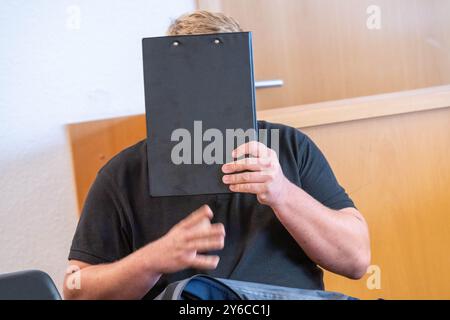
(51, 74)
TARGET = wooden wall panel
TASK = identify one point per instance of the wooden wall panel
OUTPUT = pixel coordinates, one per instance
(397, 170)
(323, 49)
(94, 143)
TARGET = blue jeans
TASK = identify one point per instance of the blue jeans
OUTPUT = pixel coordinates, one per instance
(257, 291)
(206, 288)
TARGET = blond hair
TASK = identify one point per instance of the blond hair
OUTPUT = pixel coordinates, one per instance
(203, 22)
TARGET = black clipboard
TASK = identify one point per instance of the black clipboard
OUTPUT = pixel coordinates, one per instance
(187, 79)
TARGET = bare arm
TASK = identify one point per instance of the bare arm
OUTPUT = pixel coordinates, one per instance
(129, 278)
(336, 240)
(133, 276)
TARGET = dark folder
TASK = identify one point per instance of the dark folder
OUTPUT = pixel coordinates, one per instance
(193, 84)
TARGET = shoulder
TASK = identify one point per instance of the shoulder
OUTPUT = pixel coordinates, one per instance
(289, 137)
(285, 131)
(293, 145)
(130, 163)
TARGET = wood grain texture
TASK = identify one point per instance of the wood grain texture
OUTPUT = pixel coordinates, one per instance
(94, 143)
(397, 170)
(323, 50)
(359, 108)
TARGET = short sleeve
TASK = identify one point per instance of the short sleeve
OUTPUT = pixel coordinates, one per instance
(318, 179)
(101, 235)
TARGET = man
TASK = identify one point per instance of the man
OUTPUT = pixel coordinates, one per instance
(286, 216)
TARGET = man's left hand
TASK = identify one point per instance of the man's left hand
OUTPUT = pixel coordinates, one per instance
(260, 174)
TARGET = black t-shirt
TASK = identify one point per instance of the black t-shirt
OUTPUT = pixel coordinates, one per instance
(119, 217)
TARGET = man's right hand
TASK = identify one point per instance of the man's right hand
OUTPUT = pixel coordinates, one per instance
(133, 276)
(182, 247)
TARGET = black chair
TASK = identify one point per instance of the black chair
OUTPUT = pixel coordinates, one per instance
(28, 285)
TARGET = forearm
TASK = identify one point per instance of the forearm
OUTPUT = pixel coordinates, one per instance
(335, 240)
(129, 278)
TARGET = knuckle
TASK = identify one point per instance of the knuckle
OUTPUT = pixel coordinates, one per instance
(265, 163)
(206, 209)
(205, 221)
(261, 190)
(255, 144)
(220, 229)
(263, 197)
(182, 237)
(188, 244)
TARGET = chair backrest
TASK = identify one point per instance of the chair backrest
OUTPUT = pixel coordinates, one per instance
(28, 285)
